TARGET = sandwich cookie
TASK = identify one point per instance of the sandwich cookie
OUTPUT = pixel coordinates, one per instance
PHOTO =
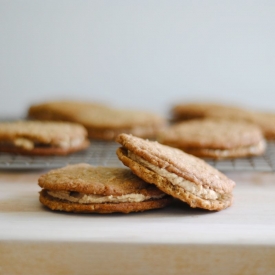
(102, 122)
(176, 173)
(198, 110)
(266, 121)
(60, 110)
(88, 189)
(107, 124)
(42, 138)
(215, 138)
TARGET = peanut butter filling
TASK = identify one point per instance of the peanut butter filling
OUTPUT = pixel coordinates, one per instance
(91, 198)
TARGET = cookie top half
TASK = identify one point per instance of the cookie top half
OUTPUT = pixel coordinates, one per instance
(110, 118)
(101, 121)
(194, 110)
(60, 109)
(88, 179)
(266, 121)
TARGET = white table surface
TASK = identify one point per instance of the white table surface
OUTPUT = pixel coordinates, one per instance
(174, 240)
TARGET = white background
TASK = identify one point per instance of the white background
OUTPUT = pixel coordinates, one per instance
(145, 54)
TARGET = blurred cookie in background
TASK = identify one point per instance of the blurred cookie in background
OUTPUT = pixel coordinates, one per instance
(64, 110)
(106, 124)
(102, 122)
(194, 110)
(266, 121)
(42, 137)
(215, 138)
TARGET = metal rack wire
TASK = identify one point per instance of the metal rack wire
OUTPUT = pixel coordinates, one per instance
(104, 154)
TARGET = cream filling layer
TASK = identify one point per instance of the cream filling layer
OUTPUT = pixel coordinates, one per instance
(187, 185)
(254, 149)
(90, 198)
(28, 144)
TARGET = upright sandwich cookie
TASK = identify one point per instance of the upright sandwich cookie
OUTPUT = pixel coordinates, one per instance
(89, 189)
(42, 138)
(176, 173)
(215, 138)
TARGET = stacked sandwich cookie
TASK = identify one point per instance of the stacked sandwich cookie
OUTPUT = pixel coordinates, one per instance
(266, 122)
(215, 138)
(101, 121)
(84, 188)
(61, 110)
(42, 137)
(198, 110)
(176, 173)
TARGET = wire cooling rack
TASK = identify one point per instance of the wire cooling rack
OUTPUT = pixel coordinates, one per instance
(104, 154)
(99, 153)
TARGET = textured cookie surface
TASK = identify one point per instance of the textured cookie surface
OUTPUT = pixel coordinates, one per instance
(42, 137)
(108, 123)
(102, 122)
(183, 111)
(85, 188)
(178, 174)
(266, 121)
(60, 110)
(217, 138)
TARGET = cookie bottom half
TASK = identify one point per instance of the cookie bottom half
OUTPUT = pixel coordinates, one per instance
(103, 208)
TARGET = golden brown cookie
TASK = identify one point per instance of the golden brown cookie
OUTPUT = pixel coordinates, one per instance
(215, 138)
(108, 123)
(266, 121)
(60, 110)
(196, 110)
(89, 189)
(176, 173)
(42, 137)
(102, 122)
